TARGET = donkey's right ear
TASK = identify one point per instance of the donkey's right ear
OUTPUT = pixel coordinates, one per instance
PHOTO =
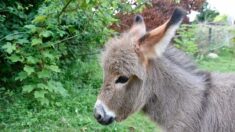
(154, 43)
(138, 28)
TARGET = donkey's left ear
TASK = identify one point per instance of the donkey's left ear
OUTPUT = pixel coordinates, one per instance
(138, 28)
(154, 43)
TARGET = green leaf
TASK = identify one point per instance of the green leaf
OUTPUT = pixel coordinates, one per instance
(9, 48)
(21, 76)
(62, 33)
(31, 27)
(15, 58)
(22, 41)
(40, 94)
(32, 60)
(44, 86)
(44, 74)
(39, 19)
(36, 41)
(45, 34)
(44, 101)
(47, 54)
(57, 87)
(58, 104)
(28, 69)
(9, 37)
(87, 1)
(27, 88)
(54, 68)
(41, 86)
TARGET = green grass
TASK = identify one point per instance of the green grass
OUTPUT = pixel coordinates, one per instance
(75, 112)
(224, 63)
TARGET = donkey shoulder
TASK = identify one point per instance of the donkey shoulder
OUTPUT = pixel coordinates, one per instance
(220, 110)
(223, 81)
(223, 88)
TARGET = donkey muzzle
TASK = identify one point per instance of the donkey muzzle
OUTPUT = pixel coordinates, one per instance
(102, 114)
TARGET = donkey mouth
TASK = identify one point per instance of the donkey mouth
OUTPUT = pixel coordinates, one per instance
(107, 121)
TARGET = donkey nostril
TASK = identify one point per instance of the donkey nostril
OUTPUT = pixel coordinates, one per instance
(111, 119)
(98, 117)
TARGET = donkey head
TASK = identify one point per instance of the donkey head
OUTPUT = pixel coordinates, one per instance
(125, 62)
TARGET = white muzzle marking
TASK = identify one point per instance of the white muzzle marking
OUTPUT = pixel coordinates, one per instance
(99, 105)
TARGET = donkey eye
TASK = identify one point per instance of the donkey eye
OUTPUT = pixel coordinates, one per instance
(122, 79)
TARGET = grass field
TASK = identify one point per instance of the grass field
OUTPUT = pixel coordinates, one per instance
(224, 63)
(74, 113)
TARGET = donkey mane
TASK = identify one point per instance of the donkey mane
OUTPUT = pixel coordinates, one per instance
(184, 62)
(167, 97)
(181, 59)
(187, 63)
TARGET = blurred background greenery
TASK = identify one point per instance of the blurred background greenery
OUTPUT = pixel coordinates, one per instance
(49, 57)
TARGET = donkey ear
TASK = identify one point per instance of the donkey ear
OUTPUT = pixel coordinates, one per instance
(154, 43)
(138, 28)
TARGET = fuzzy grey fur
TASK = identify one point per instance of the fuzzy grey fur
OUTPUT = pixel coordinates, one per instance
(184, 102)
(171, 90)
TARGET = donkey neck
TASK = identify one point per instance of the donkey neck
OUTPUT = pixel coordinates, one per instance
(175, 95)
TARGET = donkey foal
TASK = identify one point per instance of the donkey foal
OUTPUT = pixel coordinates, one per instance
(143, 72)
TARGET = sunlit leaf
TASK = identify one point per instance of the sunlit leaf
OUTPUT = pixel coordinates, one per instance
(31, 60)
(44, 74)
(41, 85)
(39, 19)
(9, 48)
(9, 37)
(46, 34)
(54, 68)
(28, 69)
(47, 54)
(21, 76)
(44, 101)
(31, 27)
(22, 41)
(36, 41)
(57, 87)
(40, 94)
(15, 58)
(27, 88)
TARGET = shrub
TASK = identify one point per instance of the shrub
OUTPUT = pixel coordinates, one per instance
(40, 40)
(186, 39)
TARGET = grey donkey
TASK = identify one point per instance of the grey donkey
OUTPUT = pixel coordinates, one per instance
(144, 72)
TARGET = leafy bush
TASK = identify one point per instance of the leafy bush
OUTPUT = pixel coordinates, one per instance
(207, 14)
(186, 39)
(41, 40)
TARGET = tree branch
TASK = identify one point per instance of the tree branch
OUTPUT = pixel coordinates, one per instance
(58, 19)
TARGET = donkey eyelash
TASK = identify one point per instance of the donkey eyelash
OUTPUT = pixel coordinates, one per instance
(122, 79)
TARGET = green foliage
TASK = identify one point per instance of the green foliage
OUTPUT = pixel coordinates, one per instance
(233, 37)
(72, 113)
(207, 14)
(220, 19)
(45, 42)
(187, 39)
